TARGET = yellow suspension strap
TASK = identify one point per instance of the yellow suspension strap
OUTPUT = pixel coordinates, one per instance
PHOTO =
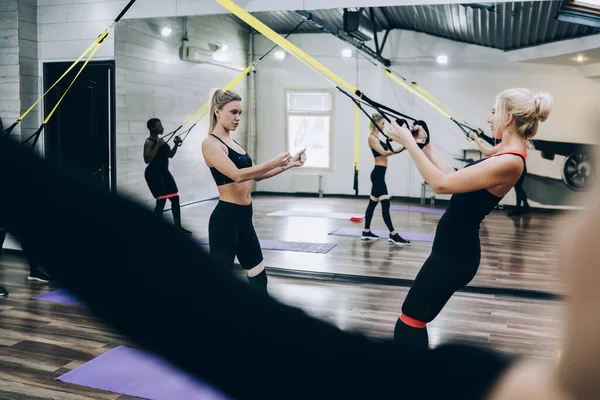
(316, 66)
(356, 141)
(429, 99)
(205, 107)
(90, 52)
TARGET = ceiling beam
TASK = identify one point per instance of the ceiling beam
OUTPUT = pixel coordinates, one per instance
(359, 45)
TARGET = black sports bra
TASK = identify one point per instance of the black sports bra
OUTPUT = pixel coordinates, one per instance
(474, 206)
(161, 159)
(240, 160)
(375, 153)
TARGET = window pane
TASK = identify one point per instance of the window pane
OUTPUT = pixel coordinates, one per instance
(308, 102)
(311, 133)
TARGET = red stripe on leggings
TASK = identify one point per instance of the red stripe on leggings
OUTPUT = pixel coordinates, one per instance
(415, 323)
(167, 196)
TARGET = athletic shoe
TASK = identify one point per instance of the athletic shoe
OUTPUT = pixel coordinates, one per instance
(369, 236)
(3, 292)
(399, 240)
(38, 276)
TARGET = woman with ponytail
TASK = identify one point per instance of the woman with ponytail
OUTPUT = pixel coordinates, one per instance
(475, 190)
(379, 192)
(230, 230)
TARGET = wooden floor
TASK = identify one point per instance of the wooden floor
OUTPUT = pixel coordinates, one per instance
(517, 252)
(40, 341)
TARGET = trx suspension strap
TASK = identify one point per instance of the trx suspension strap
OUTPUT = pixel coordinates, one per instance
(205, 107)
(415, 89)
(356, 136)
(340, 84)
(90, 52)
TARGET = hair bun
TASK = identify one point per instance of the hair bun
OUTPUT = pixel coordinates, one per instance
(543, 105)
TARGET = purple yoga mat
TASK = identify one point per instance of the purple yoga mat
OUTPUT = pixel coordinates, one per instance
(61, 296)
(140, 374)
(415, 236)
(415, 209)
(301, 247)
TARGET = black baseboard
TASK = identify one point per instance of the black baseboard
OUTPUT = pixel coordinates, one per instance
(406, 199)
(398, 282)
(342, 196)
(383, 281)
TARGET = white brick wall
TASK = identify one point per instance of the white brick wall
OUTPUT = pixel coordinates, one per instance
(28, 64)
(9, 62)
(153, 82)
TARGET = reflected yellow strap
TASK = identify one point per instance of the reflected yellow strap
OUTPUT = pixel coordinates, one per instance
(229, 86)
(93, 52)
(238, 78)
(356, 137)
(204, 114)
(283, 43)
(417, 93)
(90, 48)
(428, 95)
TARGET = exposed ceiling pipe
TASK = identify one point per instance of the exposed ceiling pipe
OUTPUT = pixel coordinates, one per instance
(326, 27)
(184, 32)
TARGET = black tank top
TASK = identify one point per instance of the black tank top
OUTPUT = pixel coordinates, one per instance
(241, 161)
(161, 159)
(458, 229)
(375, 153)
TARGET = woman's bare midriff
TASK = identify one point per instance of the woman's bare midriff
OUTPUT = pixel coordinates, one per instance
(381, 161)
(236, 193)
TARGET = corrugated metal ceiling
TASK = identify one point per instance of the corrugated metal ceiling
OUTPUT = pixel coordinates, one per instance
(504, 26)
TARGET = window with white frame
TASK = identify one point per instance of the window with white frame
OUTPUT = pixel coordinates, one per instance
(309, 114)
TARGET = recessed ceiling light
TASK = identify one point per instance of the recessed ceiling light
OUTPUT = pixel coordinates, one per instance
(442, 60)
(579, 58)
(280, 55)
(347, 53)
(165, 31)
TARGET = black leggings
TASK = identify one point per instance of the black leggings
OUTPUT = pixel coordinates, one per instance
(379, 192)
(162, 186)
(175, 209)
(197, 312)
(442, 274)
(231, 233)
(385, 211)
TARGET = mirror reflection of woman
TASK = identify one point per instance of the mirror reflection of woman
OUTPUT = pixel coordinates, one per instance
(379, 191)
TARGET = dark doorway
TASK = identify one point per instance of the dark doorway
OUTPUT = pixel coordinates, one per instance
(81, 133)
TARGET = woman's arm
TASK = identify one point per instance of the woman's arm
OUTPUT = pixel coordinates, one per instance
(493, 172)
(177, 141)
(297, 161)
(376, 145)
(434, 156)
(215, 157)
(486, 151)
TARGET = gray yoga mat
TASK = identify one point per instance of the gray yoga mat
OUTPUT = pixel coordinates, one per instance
(415, 209)
(301, 247)
(316, 214)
